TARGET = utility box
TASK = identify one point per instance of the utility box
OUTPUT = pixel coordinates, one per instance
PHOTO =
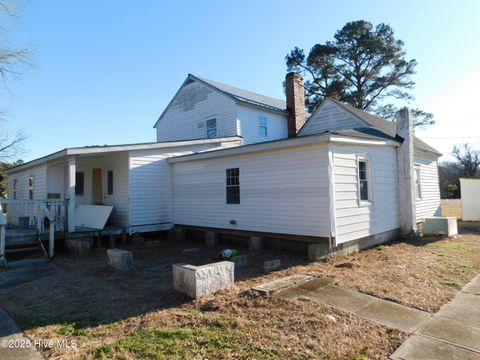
(440, 226)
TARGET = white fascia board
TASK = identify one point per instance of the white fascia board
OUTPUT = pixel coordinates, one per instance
(280, 144)
(251, 148)
(65, 153)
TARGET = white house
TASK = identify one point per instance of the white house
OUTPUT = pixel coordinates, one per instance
(229, 160)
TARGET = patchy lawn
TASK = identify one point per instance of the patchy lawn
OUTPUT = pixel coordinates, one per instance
(137, 314)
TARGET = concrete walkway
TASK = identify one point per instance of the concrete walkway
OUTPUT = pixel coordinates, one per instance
(13, 345)
(452, 333)
(384, 312)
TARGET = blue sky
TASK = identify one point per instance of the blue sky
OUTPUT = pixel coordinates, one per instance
(104, 70)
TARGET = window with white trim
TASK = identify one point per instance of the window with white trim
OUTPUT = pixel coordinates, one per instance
(233, 186)
(110, 182)
(418, 182)
(211, 126)
(31, 186)
(262, 126)
(364, 180)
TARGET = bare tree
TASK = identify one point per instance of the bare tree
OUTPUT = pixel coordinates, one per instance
(468, 158)
(12, 61)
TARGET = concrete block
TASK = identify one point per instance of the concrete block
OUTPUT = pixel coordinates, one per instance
(272, 265)
(197, 281)
(138, 240)
(190, 251)
(179, 234)
(255, 243)
(211, 238)
(240, 261)
(79, 247)
(440, 226)
(318, 251)
(120, 259)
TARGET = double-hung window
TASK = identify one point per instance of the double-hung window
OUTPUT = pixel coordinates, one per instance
(31, 186)
(15, 188)
(364, 192)
(418, 183)
(79, 183)
(262, 126)
(211, 126)
(233, 186)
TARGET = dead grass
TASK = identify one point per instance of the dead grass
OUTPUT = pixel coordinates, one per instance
(137, 315)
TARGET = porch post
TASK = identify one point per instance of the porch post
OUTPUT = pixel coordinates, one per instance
(72, 167)
(3, 223)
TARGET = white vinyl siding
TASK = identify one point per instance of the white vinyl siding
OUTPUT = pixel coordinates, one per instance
(352, 220)
(330, 117)
(151, 183)
(186, 117)
(39, 174)
(429, 203)
(283, 191)
(249, 125)
(118, 163)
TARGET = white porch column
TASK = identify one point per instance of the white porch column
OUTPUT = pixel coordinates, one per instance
(72, 167)
(406, 173)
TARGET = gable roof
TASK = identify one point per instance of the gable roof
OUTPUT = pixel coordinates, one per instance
(246, 96)
(237, 94)
(380, 124)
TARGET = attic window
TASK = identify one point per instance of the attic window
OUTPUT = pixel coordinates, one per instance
(262, 126)
(211, 128)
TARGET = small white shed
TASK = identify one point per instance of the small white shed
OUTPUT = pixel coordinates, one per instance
(470, 190)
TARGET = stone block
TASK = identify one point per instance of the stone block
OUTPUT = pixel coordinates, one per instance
(79, 247)
(255, 243)
(211, 238)
(240, 261)
(272, 265)
(197, 281)
(440, 226)
(120, 259)
(190, 251)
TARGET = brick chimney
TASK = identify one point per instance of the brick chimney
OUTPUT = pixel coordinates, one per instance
(406, 173)
(295, 102)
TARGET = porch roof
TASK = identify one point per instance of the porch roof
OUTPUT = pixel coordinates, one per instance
(105, 149)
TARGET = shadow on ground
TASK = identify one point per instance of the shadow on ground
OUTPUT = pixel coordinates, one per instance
(81, 292)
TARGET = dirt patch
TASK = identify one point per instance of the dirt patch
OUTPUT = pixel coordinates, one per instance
(138, 315)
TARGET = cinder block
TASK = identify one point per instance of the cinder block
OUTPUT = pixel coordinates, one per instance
(255, 243)
(240, 261)
(179, 234)
(190, 251)
(318, 251)
(197, 281)
(211, 238)
(79, 247)
(120, 259)
(272, 265)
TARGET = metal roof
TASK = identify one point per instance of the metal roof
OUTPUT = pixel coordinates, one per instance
(245, 95)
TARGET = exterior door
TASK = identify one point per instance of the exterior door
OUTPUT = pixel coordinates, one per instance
(97, 197)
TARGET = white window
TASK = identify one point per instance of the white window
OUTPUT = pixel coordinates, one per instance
(31, 186)
(364, 190)
(262, 126)
(15, 188)
(211, 126)
(418, 182)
